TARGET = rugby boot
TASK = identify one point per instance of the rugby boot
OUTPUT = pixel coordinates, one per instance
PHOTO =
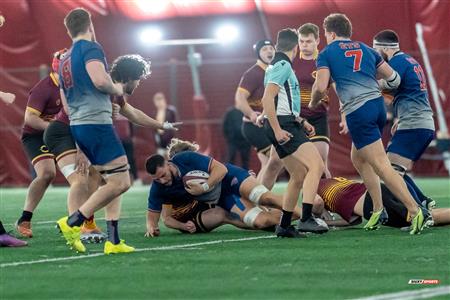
(314, 225)
(71, 234)
(121, 247)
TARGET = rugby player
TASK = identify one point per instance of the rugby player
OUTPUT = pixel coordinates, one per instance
(43, 104)
(248, 100)
(238, 188)
(351, 201)
(354, 68)
(287, 132)
(413, 129)
(304, 66)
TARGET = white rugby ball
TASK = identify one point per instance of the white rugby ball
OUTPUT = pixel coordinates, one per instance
(198, 176)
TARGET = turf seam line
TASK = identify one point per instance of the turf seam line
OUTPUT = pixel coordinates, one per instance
(411, 295)
(160, 248)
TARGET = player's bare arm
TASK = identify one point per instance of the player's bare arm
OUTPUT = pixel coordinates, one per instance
(217, 172)
(320, 87)
(138, 117)
(101, 79)
(241, 101)
(33, 120)
(152, 224)
(270, 92)
(390, 79)
(171, 222)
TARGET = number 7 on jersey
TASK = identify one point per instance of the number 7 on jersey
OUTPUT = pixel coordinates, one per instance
(357, 55)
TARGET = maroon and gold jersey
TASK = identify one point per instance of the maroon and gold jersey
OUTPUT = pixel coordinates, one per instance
(340, 195)
(62, 117)
(44, 101)
(252, 82)
(305, 70)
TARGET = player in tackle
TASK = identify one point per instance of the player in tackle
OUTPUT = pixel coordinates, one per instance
(287, 132)
(350, 199)
(413, 129)
(354, 68)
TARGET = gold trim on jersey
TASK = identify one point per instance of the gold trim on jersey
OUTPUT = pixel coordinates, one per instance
(316, 137)
(243, 90)
(54, 79)
(34, 111)
(71, 151)
(34, 160)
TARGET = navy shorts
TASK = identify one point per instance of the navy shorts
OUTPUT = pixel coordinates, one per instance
(366, 123)
(99, 142)
(410, 143)
(231, 184)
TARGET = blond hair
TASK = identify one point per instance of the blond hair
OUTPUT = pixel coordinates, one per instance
(177, 146)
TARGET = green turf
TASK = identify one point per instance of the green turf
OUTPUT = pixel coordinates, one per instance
(341, 264)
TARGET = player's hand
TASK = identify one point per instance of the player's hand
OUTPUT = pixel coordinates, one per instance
(309, 129)
(253, 117)
(394, 127)
(283, 136)
(343, 125)
(190, 227)
(195, 189)
(81, 163)
(259, 121)
(115, 110)
(152, 232)
(8, 98)
(171, 126)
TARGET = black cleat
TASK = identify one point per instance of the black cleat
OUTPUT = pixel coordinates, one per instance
(428, 203)
(289, 232)
(314, 225)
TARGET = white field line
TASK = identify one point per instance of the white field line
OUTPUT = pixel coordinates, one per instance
(412, 295)
(161, 248)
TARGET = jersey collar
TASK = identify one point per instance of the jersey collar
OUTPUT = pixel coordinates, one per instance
(280, 56)
(54, 79)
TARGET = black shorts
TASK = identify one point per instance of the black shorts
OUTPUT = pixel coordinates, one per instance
(321, 127)
(195, 215)
(256, 137)
(397, 212)
(35, 147)
(59, 139)
(290, 124)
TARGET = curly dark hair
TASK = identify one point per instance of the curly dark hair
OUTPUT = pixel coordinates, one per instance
(130, 67)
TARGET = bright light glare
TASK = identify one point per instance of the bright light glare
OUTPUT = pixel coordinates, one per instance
(151, 35)
(227, 33)
(154, 7)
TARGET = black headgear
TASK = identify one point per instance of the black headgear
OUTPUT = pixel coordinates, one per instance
(257, 47)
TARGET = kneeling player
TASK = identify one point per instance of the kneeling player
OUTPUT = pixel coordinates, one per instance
(351, 201)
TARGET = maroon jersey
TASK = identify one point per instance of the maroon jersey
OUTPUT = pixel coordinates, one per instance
(43, 101)
(62, 117)
(340, 195)
(252, 82)
(305, 70)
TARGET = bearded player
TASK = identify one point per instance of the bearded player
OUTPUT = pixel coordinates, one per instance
(350, 199)
(304, 66)
(248, 100)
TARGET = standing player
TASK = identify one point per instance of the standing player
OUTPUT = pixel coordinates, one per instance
(351, 201)
(43, 104)
(354, 67)
(414, 128)
(304, 66)
(87, 86)
(286, 131)
(248, 100)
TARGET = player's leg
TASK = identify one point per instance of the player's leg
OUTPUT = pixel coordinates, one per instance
(306, 157)
(441, 216)
(254, 216)
(45, 173)
(273, 168)
(323, 148)
(263, 159)
(7, 240)
(260, 195)
(112, 216)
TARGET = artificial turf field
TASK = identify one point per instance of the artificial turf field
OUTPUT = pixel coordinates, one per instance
(224, 264)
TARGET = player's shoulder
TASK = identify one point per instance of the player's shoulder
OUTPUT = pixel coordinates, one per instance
(253, 71)
(43, 84)
(85, 46)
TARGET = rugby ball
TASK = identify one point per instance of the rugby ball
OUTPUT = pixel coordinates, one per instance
(198, 176)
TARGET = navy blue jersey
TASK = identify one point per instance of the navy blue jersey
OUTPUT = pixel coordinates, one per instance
(185, 162)
(353, 67)
(87, 104)
(411, 104)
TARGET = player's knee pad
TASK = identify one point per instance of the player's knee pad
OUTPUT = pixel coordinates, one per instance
(251, 215)
(114, 170)
(68, 170)
(399, 168)
(256, 193)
